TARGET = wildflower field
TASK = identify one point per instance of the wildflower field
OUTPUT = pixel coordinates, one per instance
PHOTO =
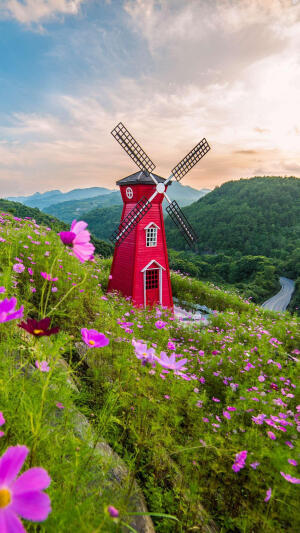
(205, 417)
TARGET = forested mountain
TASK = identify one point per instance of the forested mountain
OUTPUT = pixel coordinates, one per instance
(42, 200)
(249, 235)
(257, 216)
(67, 211)
(22, 211)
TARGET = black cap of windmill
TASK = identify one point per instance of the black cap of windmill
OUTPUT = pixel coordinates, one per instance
(146, 166)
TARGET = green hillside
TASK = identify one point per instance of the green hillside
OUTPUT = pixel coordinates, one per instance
(69, 210)
(213, 446)
(257, 216)
(23, 211)
(102, 222)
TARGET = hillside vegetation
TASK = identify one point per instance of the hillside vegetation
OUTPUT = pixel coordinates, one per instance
(22, 211)
(257, 216)
(212, 444)
(249, 235)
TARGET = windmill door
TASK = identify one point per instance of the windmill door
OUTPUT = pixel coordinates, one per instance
(152, 280)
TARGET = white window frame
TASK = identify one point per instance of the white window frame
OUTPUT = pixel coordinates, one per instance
(153, 265)
(151, 235)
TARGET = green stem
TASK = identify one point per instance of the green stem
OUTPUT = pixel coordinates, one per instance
(67, 294)
(49, 287)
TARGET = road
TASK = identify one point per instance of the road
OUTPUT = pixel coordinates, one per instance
(281, 300)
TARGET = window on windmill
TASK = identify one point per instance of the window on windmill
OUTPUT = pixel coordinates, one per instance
(152, 278)
(151, 236)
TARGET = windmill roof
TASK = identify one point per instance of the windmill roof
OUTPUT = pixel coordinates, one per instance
(140, 178)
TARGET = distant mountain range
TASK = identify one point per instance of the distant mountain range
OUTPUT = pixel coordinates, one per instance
(42, 200)
(78, 202)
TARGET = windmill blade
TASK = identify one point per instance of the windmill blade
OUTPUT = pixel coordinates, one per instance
(131, 220)
(190, 160)
(182, 223)
(132, 147)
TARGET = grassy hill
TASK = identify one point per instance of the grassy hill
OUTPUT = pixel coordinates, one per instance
(23, 211)
(180, 434)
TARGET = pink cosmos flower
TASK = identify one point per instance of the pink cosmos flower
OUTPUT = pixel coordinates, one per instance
(171, 346)
(271, 435)
(114, 513)
(226, 415)
(290, 478)
(48, 277)
(291, 461)
(146, 355)
(93, 338)
(60, 405)
(8, 311)
(170, 362)
(268, 495)
(2, 421)
(255, 465)
(79, 238)
(18, 267)
(42, 366)
(240, 460)
(21, 496)
(160, 324)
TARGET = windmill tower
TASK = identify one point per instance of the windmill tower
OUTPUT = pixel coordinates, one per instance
(140, 267)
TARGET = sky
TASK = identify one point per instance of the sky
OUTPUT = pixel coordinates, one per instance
(173, 71)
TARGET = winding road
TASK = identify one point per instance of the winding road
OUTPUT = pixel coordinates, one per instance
(281, 300)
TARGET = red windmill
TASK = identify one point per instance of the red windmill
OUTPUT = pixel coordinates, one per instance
(140, 267)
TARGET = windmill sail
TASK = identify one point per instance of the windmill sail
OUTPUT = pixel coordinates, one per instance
(182, 222)
(132, 147)
(190, 160)
(131, 220)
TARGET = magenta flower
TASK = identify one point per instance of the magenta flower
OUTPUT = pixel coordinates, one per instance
(93, 338)
(2, 421)
(268, 495)
(114, 513)
(8, 311)
(290, 478)
(21, 496)
(42, 366)
(255, 465)
(271, 435)
(79, 238)
(160, 324)
(60, 405)
(146, 355)
(291, 461)
(170, 362)
(48, 277)
(18, 267)
(2, 289)
(240, 460)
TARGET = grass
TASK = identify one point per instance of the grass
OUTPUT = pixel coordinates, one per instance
(173, 431)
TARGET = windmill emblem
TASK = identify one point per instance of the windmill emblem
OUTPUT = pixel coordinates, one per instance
(140, 266)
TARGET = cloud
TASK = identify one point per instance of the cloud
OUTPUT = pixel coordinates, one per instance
(227, 71)
(35, 11)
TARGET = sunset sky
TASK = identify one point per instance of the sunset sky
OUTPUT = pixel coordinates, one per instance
(173, 71)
